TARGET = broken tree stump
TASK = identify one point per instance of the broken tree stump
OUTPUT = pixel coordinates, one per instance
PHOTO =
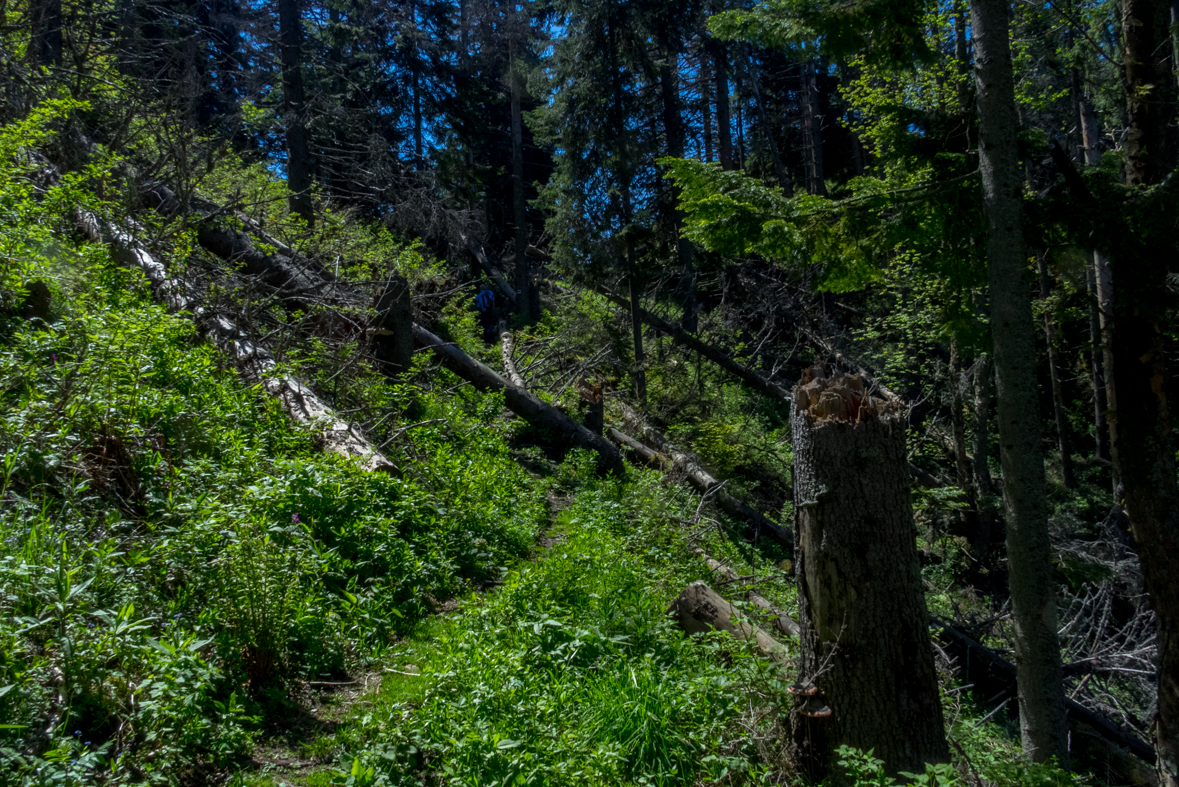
(699, 608)
(864, 628)
(391, 338)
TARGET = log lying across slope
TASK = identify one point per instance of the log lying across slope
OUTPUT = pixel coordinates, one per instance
(1094, 738)
(304, 282)
(524, 404)
(703, 481)
(699, 609)
(714, 354)
(253, 361)
(783, 622)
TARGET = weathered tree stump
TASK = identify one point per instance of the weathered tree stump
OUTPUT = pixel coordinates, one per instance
(866, 649)
(391, 338)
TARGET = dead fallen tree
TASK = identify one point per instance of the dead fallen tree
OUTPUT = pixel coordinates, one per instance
(712, 353)
(524, 404)
(783, 622)
(507, 348)
(252, 360)
(700, 479)
(1094, 739)
(699, 609)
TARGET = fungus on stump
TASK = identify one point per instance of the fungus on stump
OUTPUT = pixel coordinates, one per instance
(866, 672)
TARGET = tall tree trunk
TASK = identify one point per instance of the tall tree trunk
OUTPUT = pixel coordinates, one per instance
(812, 126)
(1140, 424)
(673, 127)
(523, 277)
(1090, 135)
(966, 86)
(964, 472)
(724, 131)
(290, 27)
(1041, 691)
(981, 447)
(706, 107)
(48, 37)
(763, 117)
(636, 321)
(866, 649)
(1063, 434)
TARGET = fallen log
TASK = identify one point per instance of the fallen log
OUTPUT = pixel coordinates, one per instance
(714, 354)
(699, 608)
(1124, 754)
(520, 401)
(703, 481)
(651, 458)
(253, 361)
(783, 622)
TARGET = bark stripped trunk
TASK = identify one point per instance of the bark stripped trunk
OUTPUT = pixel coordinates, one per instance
(865, 636)
(290, 27)
(1041, 688)
(253, 361)
(636, 323)
(666, 457)
(783, 622)
(1063, 433)
(700, 609)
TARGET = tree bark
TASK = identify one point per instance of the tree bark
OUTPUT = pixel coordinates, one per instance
(507, 350)
(981, 445)
(1041, 688)
(784, 181)
(700, 609)
(391, 338)
(812, 126)
(290, 25)
(1140, 428)
(724, 130)
(636, 323)
(673, 128)
(865, 636)
(705, 105)
(48, 39)
(545, 417)
(1063, 433)
(522, 276)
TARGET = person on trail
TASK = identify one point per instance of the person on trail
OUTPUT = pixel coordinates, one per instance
(485, 303)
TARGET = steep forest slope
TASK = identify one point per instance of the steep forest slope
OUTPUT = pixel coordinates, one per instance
(326, 329)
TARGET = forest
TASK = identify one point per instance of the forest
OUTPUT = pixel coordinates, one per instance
(589, 392)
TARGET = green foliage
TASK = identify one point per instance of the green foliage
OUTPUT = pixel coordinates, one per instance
(884, 32)
(868, 771)
(570, 671)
